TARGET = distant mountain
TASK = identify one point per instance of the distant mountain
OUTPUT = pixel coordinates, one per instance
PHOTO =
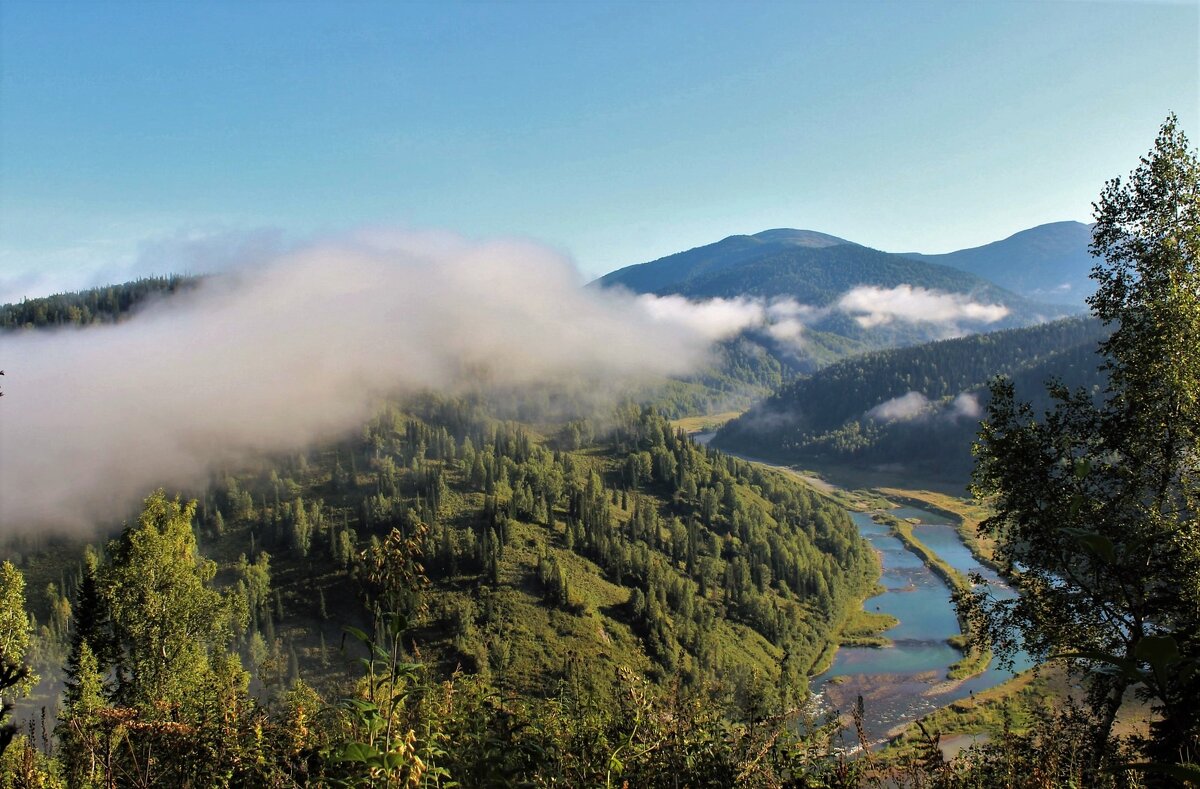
(817, 270)
(1048, 263)
(917, 407)
(668, 274)
(819, 275)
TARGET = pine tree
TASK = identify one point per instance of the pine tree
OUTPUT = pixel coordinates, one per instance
(92, 630)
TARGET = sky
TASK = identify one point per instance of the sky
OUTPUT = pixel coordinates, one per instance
(151, 137)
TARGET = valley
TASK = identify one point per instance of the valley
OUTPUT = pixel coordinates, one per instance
(474, 395)
(769, 543)
(916, 669)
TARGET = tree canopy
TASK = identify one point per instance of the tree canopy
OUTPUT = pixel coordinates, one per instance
(1096, 503)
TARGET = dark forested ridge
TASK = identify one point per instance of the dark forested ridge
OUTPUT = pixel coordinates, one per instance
(935, 390)
(106, 304)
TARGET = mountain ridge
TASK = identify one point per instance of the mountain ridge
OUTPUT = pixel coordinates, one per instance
(1052, 261)
(1048, 263)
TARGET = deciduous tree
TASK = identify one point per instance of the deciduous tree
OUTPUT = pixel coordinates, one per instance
(1096, 501)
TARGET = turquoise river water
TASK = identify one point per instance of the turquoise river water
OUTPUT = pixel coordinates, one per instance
(902, 682)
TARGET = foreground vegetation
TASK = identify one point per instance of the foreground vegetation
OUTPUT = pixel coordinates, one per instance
(547, 577)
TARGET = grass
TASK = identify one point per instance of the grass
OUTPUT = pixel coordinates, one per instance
(863, 628)
(706, 423)
(1008, 706)
(966, 514)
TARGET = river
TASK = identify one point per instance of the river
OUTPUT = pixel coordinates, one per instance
(903, 682)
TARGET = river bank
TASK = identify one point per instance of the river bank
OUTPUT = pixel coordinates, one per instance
(915, 666)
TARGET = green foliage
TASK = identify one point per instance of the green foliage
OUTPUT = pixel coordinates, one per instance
(1097, 505)
(15, 630)
(376, 745)
(169, 628)
(15, 676)
(98, 305)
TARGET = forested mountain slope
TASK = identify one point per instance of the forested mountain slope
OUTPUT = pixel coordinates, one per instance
(672, 273)
(915, 406)
(1049, 263)
(810, 267)
(98, 305)
(550, 559)
(828, 280)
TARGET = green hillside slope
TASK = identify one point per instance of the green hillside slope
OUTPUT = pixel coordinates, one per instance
(553, 556)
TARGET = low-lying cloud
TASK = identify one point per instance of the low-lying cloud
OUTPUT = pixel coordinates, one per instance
(915, 405)
(786, 320)
(285, 350)
(966, 406)
(903, 408)
(718, 318)
(870, 306)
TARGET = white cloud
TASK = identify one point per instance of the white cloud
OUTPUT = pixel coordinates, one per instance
(915, 405)
(719, 319)
(870, 306)
(903, 408)
(966, 405)
(715, 319)
(283, 350)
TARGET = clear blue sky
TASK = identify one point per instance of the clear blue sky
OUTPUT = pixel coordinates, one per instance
(616, 132)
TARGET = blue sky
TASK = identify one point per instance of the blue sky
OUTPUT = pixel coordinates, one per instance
(614, 132)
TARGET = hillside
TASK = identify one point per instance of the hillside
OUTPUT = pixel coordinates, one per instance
(913, 407)
(547, 551)
(1048, 263)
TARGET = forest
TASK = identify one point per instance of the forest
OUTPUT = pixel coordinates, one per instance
(106, 304)
(529, 569)
(835, 414)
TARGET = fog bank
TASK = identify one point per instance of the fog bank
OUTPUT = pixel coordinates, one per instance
(284, 350)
